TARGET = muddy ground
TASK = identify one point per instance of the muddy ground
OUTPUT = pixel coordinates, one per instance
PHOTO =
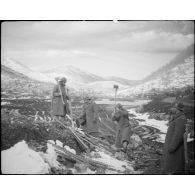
(146, 158)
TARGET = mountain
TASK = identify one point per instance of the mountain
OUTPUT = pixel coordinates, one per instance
(123, 81)
(105, 87)
(73, 74)
(16, 75)
(178, 73)
(20, 68)
(179, 59)
(79, 79)
(15, 84)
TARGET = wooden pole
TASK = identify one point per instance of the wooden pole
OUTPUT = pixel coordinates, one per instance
(84, 146)
(116, 88)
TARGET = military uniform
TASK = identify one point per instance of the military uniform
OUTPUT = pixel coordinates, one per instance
(173, 153)
(57, 106)
(89, 116)
(124, 130)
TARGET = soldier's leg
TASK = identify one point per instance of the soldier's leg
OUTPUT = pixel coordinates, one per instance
(118, 143)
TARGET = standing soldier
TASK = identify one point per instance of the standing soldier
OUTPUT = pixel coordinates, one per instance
(60, 98)
(124, 133)
(89, 115)
(173, 153)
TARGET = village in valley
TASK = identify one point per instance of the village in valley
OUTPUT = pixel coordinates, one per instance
(39, 140)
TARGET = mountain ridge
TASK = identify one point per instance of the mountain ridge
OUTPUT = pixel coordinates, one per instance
(171, 64)
(178, 72)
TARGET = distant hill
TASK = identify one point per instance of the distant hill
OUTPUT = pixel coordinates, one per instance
(123, 81)
(15, 84)
(179, 59)
(178, 73)
(105, 87)
(19, 78)
(20, 68)
(73, 74)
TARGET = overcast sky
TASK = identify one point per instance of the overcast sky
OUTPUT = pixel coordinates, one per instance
(130, 49)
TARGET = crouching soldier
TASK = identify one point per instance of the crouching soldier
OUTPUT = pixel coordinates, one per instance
(89, 117)
(60, 98)
(121, 116)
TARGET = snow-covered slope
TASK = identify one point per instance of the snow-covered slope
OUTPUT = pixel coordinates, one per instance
(73, 74)
(17, 66)
(20, 159)
(77, 79)
(177, 74)
(105, 87)
(18, 81)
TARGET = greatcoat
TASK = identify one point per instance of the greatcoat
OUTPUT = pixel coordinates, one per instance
(124, 129)
(57, 106)
(90, 112)
(173, 153)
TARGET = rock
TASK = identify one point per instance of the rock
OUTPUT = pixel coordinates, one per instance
(81, 168)
(135, 141)
(120, 155)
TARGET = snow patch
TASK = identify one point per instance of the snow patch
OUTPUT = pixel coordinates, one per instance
(4, 103)
(113, 162)
(161, 125)
(50, 157)
(70, 149)
(20, 159)
(59, 143)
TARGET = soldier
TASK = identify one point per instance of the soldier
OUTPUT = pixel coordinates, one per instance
(121, 116)
(90, 117)
(173, 153)
(60, 98)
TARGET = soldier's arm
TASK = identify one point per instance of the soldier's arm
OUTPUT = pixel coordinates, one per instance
(56, 93)
(177, 138)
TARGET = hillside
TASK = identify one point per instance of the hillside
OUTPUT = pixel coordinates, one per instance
(105, 87)
(73, 74)
(15, 84)
(20, 68)
(123, 81)
(179, 59)
(77, 78)
(176, 74)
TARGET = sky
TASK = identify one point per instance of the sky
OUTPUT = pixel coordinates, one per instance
(128, 49)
